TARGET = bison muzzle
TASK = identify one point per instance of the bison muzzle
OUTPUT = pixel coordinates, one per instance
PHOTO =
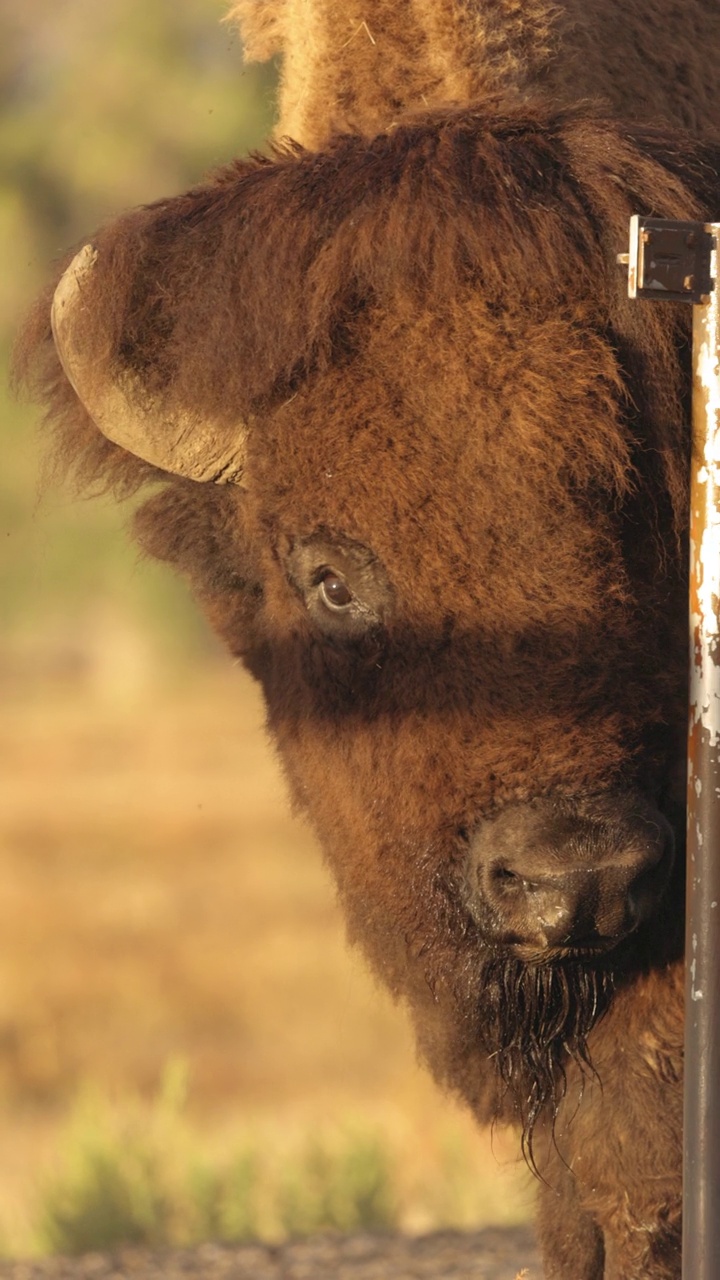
(551, 879)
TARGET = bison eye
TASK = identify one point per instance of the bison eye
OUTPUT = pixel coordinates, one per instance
(344, 588)
(334, 590)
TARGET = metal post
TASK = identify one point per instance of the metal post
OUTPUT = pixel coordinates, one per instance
(679, 261)
(701, 1168)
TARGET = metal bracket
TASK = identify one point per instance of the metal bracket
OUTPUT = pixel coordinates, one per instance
(669, 261)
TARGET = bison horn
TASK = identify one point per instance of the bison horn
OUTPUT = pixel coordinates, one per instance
(127, 413)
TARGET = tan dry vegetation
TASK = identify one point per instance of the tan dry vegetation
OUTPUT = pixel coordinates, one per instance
(157, 900)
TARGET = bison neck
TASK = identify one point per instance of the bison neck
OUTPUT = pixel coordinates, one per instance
(359, 67)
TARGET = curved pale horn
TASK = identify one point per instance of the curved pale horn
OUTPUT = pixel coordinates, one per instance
(126, 412)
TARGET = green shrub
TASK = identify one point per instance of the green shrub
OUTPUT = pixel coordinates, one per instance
(135, 1177)
(120, 1180)
(337, 1187)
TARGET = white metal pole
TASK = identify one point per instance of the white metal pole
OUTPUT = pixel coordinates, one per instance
(701, 1165)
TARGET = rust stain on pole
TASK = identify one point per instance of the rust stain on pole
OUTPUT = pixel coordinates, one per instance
(701, 1194)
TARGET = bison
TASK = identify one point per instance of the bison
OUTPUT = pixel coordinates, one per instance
(425, 469)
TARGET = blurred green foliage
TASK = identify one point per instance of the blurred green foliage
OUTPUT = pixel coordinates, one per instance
(102, 106)
(138, 1176)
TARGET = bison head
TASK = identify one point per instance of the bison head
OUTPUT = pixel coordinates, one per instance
(449, 548)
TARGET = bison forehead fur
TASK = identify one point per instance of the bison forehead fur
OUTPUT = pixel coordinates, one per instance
(454, 415)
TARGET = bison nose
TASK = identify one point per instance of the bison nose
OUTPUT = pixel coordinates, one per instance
(544, 876)
(579, 908)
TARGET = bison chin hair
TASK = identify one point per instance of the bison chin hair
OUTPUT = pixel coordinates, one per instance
(533, 1020)
(530, 1020)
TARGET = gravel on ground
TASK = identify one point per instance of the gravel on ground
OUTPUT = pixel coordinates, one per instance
(495, 1253)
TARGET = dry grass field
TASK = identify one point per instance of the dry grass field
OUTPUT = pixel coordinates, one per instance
(158, 903)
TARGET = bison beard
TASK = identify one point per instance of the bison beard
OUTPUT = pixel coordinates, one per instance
(533, 1019)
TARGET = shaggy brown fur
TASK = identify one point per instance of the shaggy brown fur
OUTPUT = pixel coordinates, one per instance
(360, 66)
(451, 400)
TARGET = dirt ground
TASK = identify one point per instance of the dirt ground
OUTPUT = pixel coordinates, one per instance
(492, 1254)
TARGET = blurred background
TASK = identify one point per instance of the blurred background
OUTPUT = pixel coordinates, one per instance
(187, 1049)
